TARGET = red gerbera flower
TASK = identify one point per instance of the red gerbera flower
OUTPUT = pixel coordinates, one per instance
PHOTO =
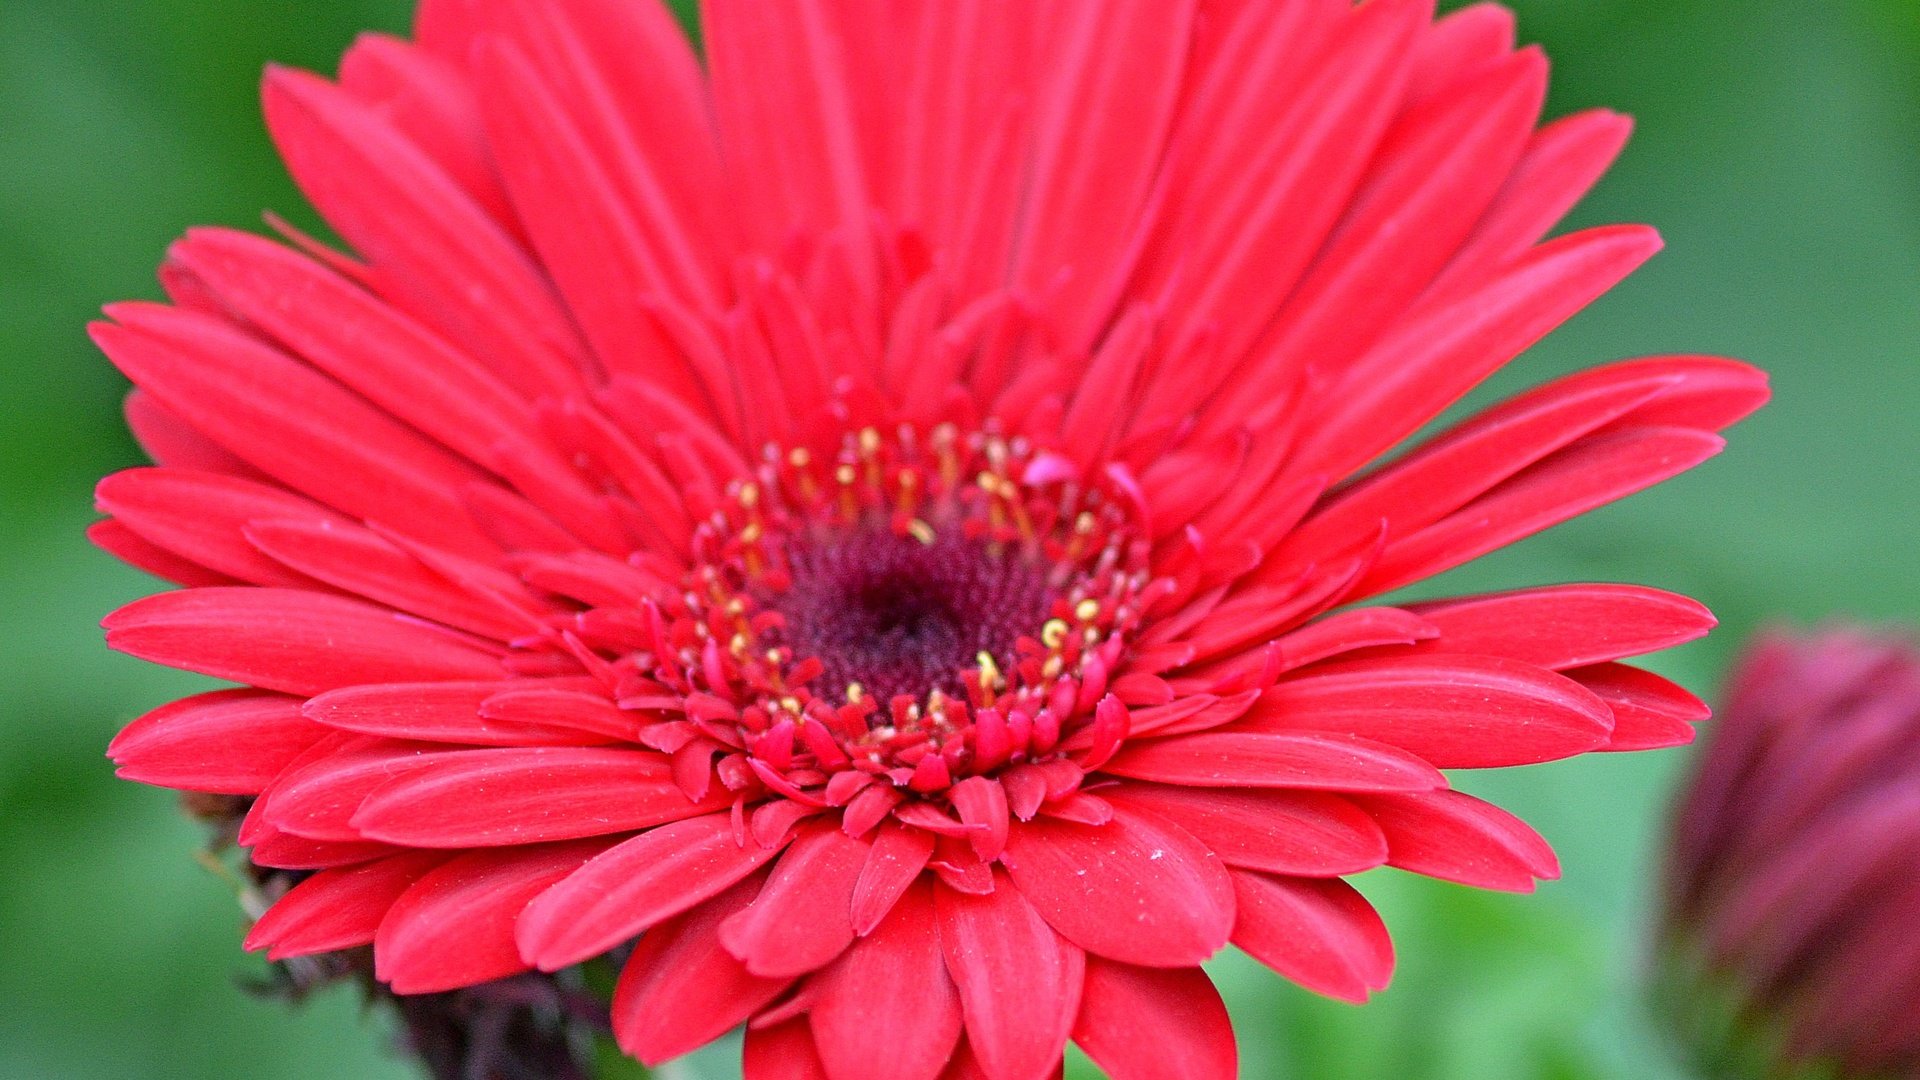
(882, 519)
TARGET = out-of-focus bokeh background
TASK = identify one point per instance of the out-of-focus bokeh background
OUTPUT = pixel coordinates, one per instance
(1778, 148)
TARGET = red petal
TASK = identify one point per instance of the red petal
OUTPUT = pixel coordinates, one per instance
(233, 742)
(982, 803)
(317, 796)
(1649, 712)
(433, 712)
(898, 964)
(1346, 631)
(681, 990)
(365, 343)
(803, 917)
(1455, 711)
(527, 795)
(780, 94)
(654, 876)
(1440, 165)
(1135, 889)
(338, 908)
(440, 256)
(1456, 837)
(1562, 164)
(1452, 469)
(898, 855)
(1565, 626)
(131, 548)
(1276, 760)
(289, 852)
(362, 562)
(293, 423)
(1284, 832)
(286, 639)
(1433, 357)
(1105, 105)
(994, 944)
(199, 516)
(783, 1051)
(1318, 932)
(1589, 474)
(454, 927)
(1145, 1024)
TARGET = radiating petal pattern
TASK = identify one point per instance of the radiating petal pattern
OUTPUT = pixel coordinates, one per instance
(874, 525)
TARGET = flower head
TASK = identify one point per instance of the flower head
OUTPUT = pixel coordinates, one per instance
(1794, 872)
(884, 518)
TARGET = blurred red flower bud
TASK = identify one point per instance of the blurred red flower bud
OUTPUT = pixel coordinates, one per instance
(1793, 884)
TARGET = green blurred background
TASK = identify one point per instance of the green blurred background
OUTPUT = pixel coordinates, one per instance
(1778, 148)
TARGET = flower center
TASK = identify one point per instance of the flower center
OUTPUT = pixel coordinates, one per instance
(896, 616)
(925, 606)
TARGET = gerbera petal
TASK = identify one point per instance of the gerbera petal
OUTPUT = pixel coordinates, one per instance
(454, 926)
(367, 345)
(1281, 174)
(291, 422)
(1584, 476)
(232, 742)
(1318, 932)
(316, 796)
(1456, 837)
(600, 254)
(1145, 1024)
(1100, 124)
(893, 863)
(434, 712)
(1457, 712)
(1463, 463)
(1277, 759)
(1136, 889)
(338, 908)
(783, 1051)
(1564, 160)
(437, 254)
(200, 516)
(291, 640)
(998, 941)
(1433, 175)
(634, 885)
(361, 561)
(169, 440)
(966, 1066)
(681, 989)
(1565, 626)
(1308, 833)
(781, 101)
(899, 963)
(803, 917)
(626, 79)
(131, 548)
(285, 851)
(531, 795)
(1649, 712)
(428, 102)
(1459, 43)
(1453, 342)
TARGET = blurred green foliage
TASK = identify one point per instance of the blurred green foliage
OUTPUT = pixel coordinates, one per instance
(1779, 150)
